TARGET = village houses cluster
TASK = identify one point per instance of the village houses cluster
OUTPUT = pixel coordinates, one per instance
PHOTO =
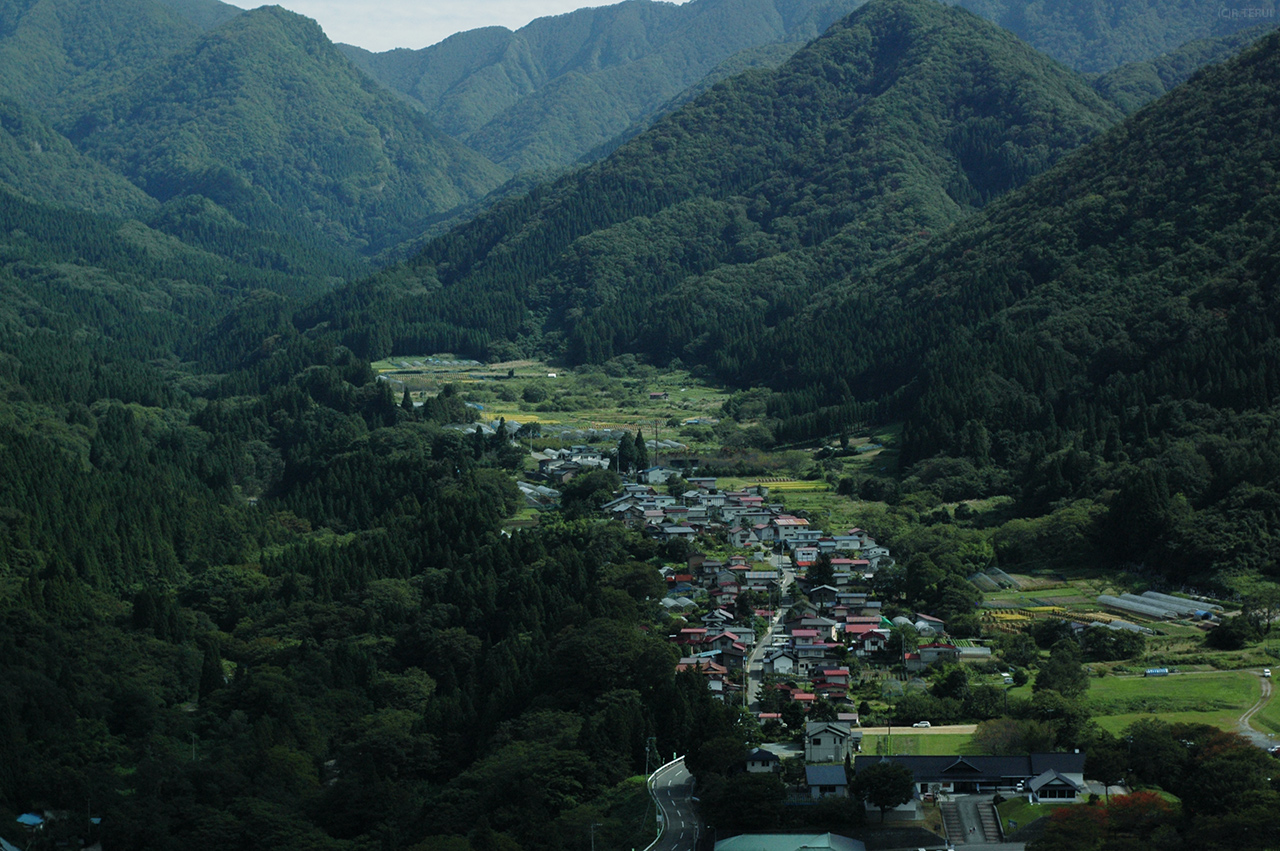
(807, 652)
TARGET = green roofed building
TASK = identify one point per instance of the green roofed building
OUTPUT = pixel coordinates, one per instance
(790, 842)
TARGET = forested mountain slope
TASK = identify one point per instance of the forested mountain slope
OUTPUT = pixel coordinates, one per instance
(1109, 328)
(1095, 36)
(562, 87)
(56, 53)
(40, 163)
(205, 14)
(265, 117)
(249, 602)
(739, 209)
(549, 92)
(77, 289)
(58, 58)
(1136, 83)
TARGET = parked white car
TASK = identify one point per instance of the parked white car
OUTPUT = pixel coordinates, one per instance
(922, 724)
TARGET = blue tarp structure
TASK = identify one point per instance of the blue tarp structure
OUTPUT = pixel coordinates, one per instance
(30, 820)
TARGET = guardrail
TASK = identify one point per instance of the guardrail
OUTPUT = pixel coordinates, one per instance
(662, 824)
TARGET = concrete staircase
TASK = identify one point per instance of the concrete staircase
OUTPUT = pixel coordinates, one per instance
(952, 823)
(990, 821)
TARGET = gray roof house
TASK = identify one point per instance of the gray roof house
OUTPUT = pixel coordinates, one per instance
(826, 780)
(826, 741)
(790, 842)
(1052, 785)
(761, 761)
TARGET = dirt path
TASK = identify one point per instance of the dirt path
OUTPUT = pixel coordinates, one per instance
(1259, 738)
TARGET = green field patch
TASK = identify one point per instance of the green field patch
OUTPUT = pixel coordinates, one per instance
(917, 744)
(1217, 698)
(1023, 813)
(789, 487)
(1182, 630)
(1267, 719)
(1063, 591)
(1222, 719)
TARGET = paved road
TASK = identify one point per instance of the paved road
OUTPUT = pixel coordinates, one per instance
(755, 662)
(673, 790)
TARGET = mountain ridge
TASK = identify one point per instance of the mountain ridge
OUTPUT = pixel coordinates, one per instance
(1136, 83)
(229, 117)
(811, 141)
(598, 70)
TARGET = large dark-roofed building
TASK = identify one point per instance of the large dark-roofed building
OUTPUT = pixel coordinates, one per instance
(972, 774)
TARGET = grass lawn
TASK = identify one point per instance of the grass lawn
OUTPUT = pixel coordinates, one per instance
(932, 820)
(918, 744)
(1222, 719)
(1023, 813)
(1217, 698)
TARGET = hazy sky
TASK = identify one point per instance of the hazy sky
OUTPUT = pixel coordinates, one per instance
(385, 24)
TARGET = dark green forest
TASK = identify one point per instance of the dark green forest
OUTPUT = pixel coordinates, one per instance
(1136, 84)
(1095, 36)
(563, 87)
(230, 119)
(350, 655)
(1130, 294)
(268, 607)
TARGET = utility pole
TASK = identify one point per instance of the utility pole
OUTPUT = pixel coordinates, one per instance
(594, 825)
(903, 635)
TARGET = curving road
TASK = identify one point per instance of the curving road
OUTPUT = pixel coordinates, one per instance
(672, 788)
